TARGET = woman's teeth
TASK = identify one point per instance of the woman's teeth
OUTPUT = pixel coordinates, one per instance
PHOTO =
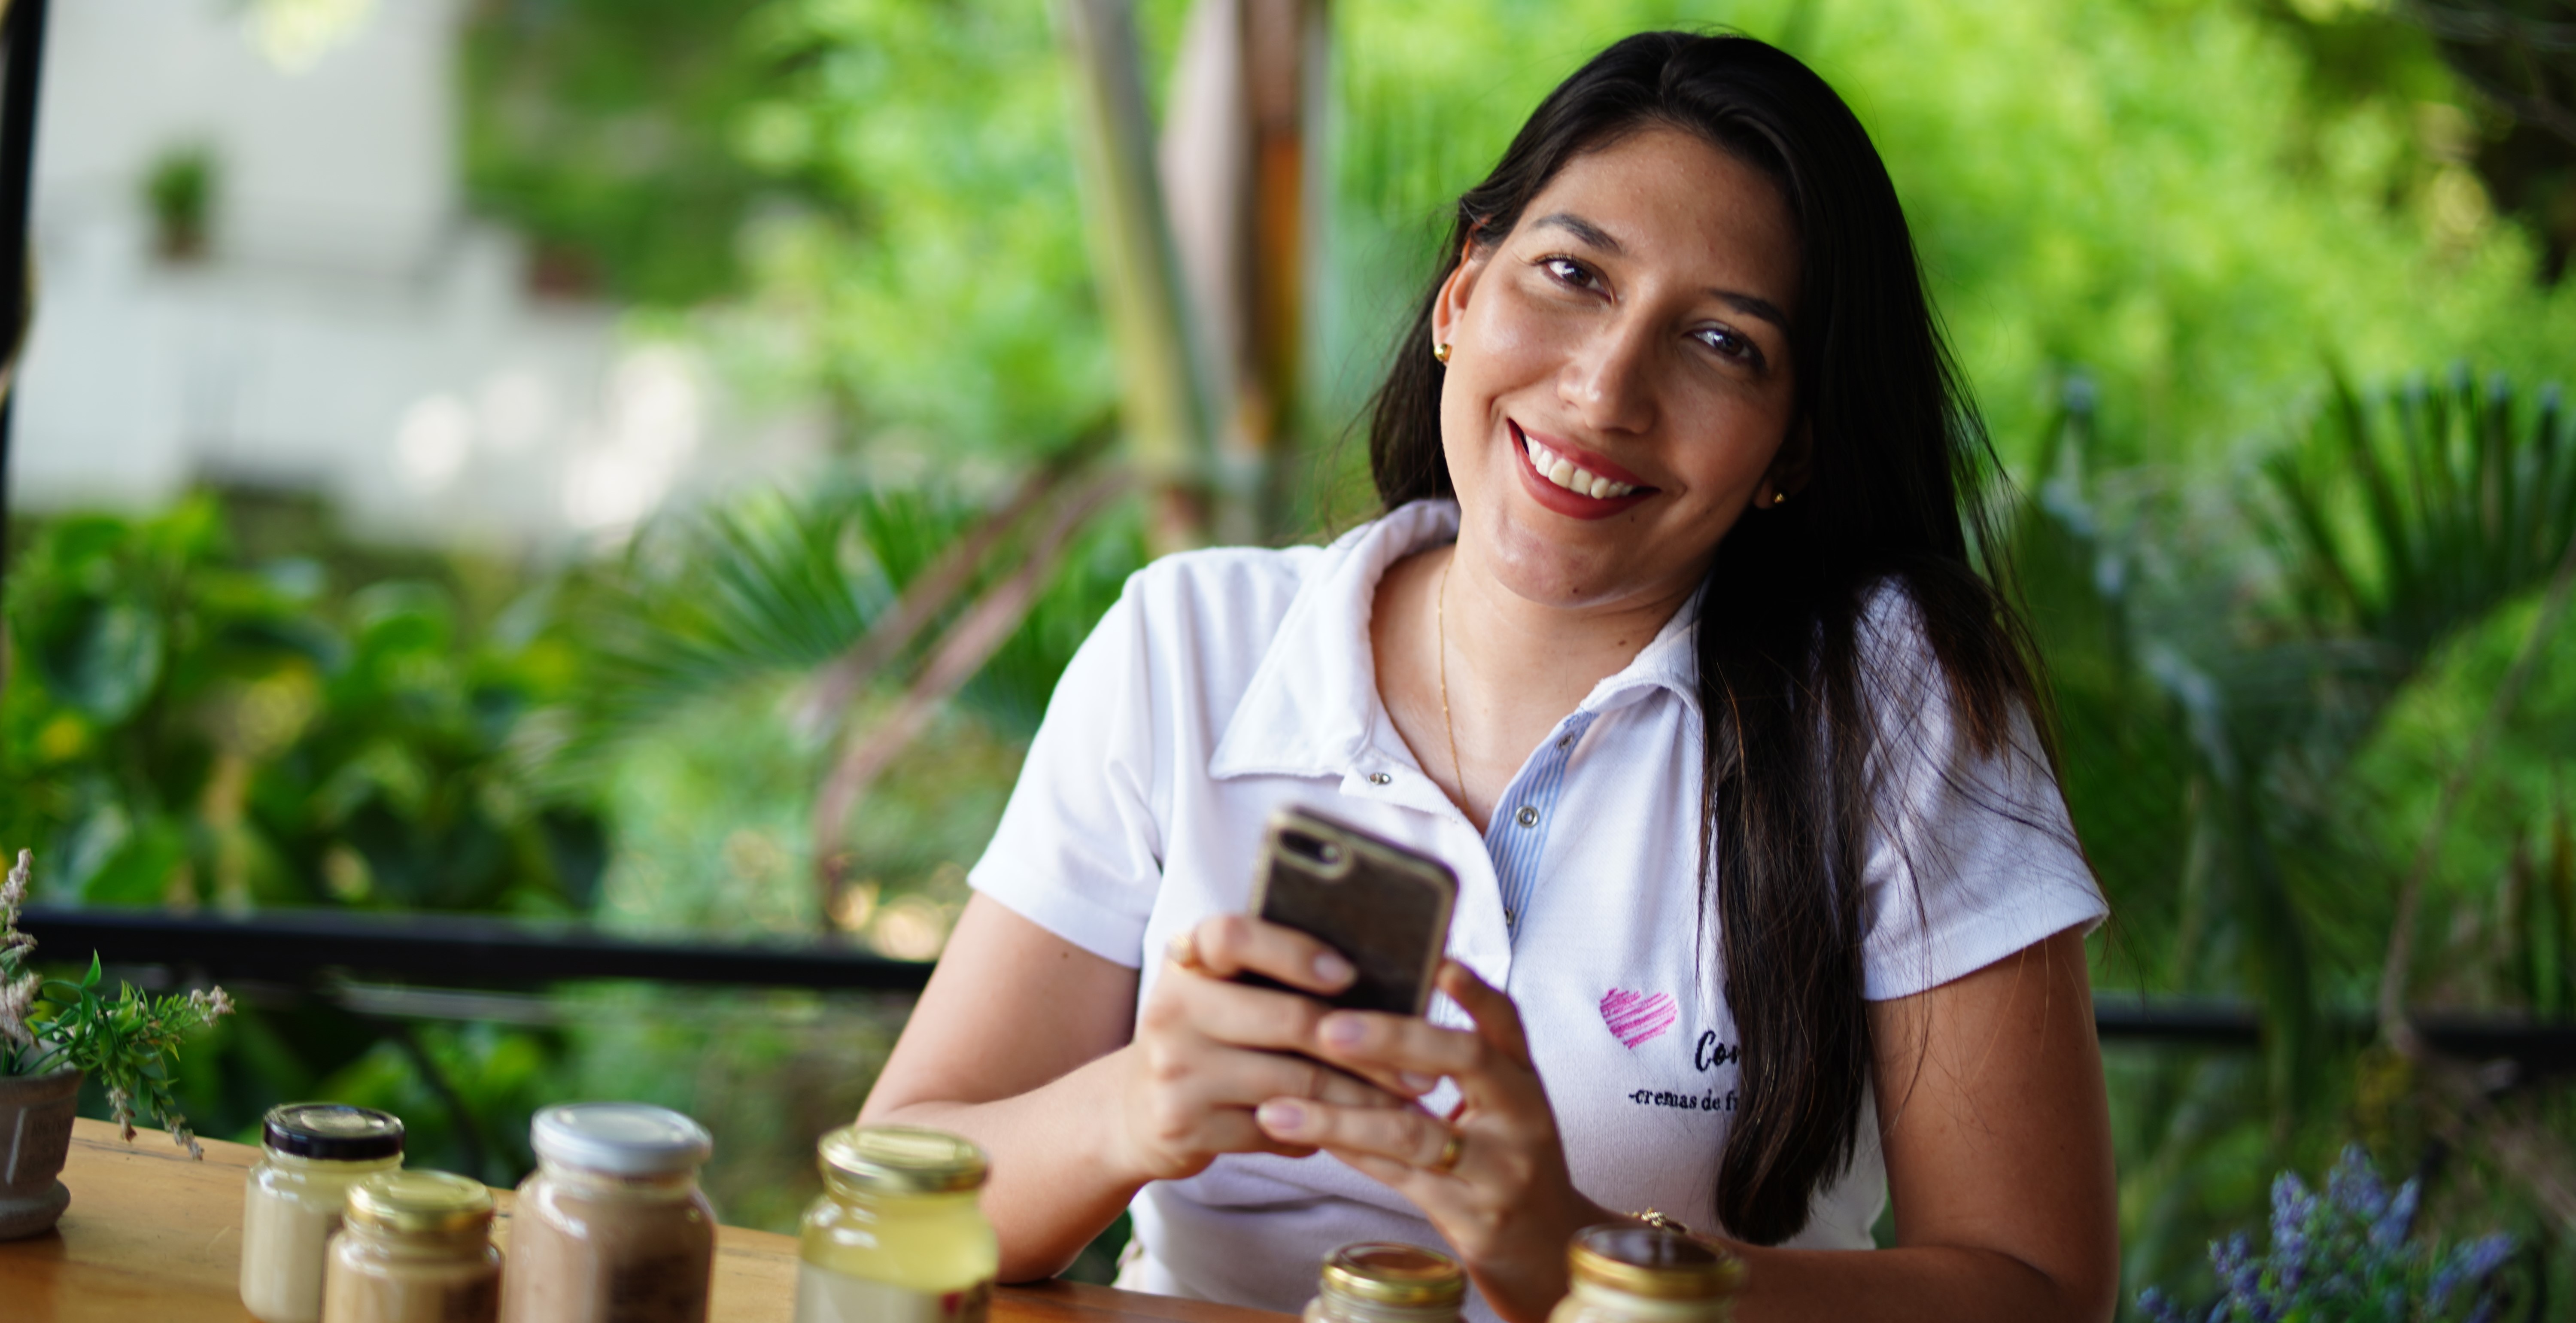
(1556, 469)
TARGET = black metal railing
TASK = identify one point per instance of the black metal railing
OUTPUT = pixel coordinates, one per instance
(448, 950)
(464, 951)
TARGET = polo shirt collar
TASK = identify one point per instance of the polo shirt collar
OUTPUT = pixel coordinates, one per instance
(1312, 708)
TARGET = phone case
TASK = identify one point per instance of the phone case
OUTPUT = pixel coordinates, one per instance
(1384, 906)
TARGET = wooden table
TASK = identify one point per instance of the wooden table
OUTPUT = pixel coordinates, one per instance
(152, 1237)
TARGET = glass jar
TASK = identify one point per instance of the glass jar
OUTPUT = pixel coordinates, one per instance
(416, 1247)
(612, 1226)
(311, 1153)
(897, 1236)
(1379, 1281)
(1644, 1274)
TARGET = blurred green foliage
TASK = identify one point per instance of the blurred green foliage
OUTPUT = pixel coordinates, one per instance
(2197, 202)
(190, 727)
(703, 642)
(882, 194)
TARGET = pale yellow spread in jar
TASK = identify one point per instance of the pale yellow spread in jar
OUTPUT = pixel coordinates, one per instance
(897, 1237)
(291, 1202)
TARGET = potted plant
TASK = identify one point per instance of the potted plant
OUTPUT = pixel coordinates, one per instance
(53, 1034)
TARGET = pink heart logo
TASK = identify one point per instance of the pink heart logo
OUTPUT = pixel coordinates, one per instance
(1634, 1017)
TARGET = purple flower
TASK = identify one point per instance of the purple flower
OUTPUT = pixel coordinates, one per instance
(2292, 1210)
(2488, 1253)
(2291, 1205)
(2354, 1188)
(2469, 1266)
(2445, 1280)
(2233, 1259)
(2158, 1309)
(2388, 1230)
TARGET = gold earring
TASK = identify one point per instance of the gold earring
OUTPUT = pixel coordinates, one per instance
(1441, 351)
(1779, 496)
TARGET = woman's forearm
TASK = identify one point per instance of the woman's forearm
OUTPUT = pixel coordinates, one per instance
(1057, 1178)
(1915, 1284)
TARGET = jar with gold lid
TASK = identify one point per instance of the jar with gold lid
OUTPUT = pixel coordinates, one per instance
(1646, 1274)
(310, 1154)
(415, 1247)
(898, 1236)
(1381, 1281)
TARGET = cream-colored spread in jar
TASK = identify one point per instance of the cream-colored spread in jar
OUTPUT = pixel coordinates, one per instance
(1648, 1274)
(311, 1154)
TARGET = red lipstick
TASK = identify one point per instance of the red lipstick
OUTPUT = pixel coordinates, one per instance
(1574, 504)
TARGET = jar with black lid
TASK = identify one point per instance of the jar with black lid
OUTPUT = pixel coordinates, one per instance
(311, 1153)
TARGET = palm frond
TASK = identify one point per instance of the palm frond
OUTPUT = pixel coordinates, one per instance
(766, 586)
(2406, 518)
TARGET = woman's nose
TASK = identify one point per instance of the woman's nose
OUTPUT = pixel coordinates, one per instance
(1608, 380)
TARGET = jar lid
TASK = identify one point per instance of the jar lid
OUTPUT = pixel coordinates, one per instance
(901, 1159)
(1654, 1262)
(1405, 1276)
(420, 1201)
(620, 1138)
(332, 1132)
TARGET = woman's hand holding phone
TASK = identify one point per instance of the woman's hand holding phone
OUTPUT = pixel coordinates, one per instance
(1503, 1196)
(1208, 1050)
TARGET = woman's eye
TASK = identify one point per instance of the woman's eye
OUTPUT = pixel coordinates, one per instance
(1728, 344)
(1568, 271)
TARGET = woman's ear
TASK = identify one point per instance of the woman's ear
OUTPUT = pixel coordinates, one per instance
(1795, 463)
(1456, 290)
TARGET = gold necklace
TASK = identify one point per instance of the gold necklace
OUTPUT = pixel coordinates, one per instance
(1440, 621)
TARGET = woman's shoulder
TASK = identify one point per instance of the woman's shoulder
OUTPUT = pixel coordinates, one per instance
(1225, 589)
(1203, 621)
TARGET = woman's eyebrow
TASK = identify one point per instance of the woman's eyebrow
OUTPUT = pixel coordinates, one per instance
(1581, 229)
(1751, 305)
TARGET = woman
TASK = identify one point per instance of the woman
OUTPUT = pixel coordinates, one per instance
(1668, 642)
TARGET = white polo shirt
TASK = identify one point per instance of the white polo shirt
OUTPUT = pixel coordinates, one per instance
(1225, 684)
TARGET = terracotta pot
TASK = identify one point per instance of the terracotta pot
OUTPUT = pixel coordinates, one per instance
(35, 1136)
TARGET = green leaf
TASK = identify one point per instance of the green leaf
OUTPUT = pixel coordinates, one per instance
(139, 871)
(100, 655)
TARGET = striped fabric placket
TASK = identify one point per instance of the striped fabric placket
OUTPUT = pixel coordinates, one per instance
(1516, 837)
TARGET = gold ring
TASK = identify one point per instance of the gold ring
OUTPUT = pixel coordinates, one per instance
(1183, 951)
(1447, 1162)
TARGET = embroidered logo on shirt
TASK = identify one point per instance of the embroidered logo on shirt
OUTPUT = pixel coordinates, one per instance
(1634, 1017)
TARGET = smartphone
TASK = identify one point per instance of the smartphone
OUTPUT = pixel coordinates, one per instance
(1384, 906)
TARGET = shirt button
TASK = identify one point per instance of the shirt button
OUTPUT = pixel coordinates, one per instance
(1511, 916)
(1527, 817)
(1379, 778)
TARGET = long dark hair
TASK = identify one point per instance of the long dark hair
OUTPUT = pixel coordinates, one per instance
(1787, 664)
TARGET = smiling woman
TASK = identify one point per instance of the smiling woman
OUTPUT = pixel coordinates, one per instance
(1673, 553)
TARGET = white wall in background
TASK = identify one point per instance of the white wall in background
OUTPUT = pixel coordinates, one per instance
(351, 331)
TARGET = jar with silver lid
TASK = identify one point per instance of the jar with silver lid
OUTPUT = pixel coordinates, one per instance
(898, 1235)
(416, 1247)
(1648, 1274)
(1385, 1282)
(612, 1228)
(311, 1153)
